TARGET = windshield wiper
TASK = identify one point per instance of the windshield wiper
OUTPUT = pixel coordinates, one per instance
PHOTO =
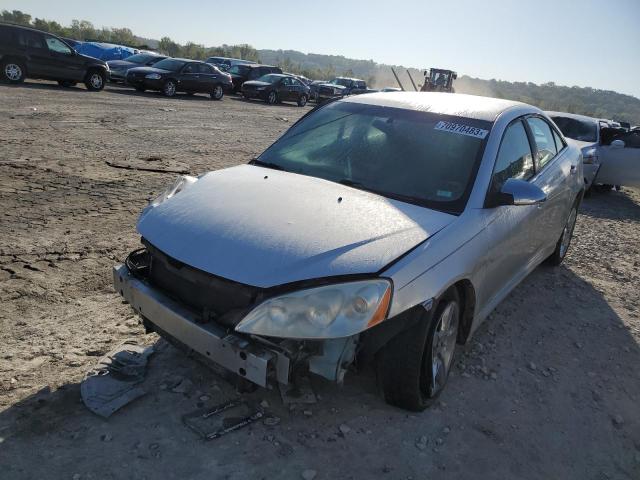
(273, 166)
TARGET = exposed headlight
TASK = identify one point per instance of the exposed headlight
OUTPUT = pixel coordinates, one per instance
(332, 311)
(178, 185)
(153, 76)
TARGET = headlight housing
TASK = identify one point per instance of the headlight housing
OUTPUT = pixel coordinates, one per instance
(153, 76)
(180, 183)
(331, 311)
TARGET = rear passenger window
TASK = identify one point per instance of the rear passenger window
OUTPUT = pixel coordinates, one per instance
(514, 158)
(191, 68)
(545, 143)
(204, 68)
(30, 39)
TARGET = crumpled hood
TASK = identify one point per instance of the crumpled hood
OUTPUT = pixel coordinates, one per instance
(118, 64)
(334, 85)
(265, 227)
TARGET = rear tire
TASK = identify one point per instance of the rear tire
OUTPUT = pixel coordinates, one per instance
(272, 98)
(562, 247)
(302, 101)
(414, 366)
(95, 80)
(169, 88)
(13, 71)
(218, 93)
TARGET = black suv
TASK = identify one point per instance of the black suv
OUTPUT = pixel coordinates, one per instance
(29, 53)
(242, 73)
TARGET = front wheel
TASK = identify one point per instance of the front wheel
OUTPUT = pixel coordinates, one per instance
(414, 366)
(94, 81)
(562, 247)
(218, 92)
(302, 101)
(13, 71)
(169, 88)
(272, 98)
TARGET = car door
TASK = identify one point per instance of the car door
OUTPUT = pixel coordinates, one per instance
(66, 64)
(554, 176)
(510, 228)
(285, 89)
(620, 160)
(39, 62)
(208, 78)
(190, 78)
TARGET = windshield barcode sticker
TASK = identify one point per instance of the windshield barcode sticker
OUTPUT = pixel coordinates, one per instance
(461, 129)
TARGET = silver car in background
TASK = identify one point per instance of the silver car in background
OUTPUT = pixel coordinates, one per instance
(585, 133)
(611, 154)
(382, 226)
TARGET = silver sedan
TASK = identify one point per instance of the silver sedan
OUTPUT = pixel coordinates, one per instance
(384, 226)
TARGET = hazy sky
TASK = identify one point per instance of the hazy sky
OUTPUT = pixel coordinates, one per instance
(592, 43)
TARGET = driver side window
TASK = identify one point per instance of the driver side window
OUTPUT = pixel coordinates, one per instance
(57, 46)
(514, 157)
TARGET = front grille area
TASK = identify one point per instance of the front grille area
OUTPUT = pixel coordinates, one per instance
(326, 91)
(213, 298)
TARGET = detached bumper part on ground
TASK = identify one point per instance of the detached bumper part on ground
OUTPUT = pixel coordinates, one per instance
(253, 359)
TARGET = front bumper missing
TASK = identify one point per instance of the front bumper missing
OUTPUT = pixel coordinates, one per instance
(233, 352)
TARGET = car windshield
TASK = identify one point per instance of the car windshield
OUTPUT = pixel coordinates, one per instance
(341, 81)
(141, 58)
(269, 78)
(170, 64)
(581, 130)
(402, 154)
(239, 70)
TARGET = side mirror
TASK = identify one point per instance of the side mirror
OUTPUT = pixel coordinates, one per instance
(617, 144)
(518, 192)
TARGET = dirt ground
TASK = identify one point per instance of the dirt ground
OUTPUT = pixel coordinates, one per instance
(549, 388)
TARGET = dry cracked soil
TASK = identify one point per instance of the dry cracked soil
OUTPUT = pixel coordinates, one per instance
(549, 387)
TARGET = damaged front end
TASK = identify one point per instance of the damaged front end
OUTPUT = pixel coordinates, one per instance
(241, 327)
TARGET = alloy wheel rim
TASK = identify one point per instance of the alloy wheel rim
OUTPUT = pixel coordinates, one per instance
(567, 233)
(303, 100)
(443, 346)
(13, 71)
(217, 92)
(170, 89)
(272, 97)
(96, 80)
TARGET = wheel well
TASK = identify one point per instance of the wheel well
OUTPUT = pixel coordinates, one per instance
(14, 58)
(468, 299)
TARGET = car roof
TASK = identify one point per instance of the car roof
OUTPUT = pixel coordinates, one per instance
(572, 115)
(455, 104)
(349, 78)
(23, 27)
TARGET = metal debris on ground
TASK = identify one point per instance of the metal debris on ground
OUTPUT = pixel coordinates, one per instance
(298, 391)
(214, 422)
(113, 383)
